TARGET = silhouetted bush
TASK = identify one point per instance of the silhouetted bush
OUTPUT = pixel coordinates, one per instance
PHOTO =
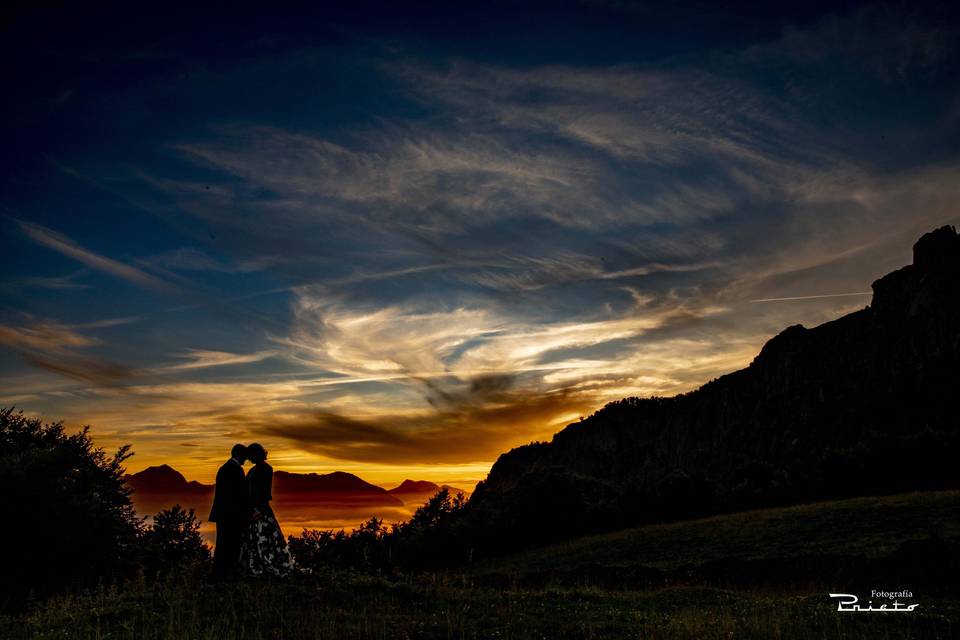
(433, 537)
(173, 541)
(430, 539)
(316, 549)
(68, 519)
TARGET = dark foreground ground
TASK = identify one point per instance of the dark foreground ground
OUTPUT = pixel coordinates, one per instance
(760, 574)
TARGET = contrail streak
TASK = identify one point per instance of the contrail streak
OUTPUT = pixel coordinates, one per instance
(825, 295)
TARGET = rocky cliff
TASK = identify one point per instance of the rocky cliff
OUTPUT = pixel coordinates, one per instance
(865, 404)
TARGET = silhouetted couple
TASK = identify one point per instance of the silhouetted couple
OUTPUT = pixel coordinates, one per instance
(249, 539)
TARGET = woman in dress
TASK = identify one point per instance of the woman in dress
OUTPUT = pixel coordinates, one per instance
(264, 550)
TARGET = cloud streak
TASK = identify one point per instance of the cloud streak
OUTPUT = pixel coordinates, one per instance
(204, 358)
(457, 433)
(47, 336)
(67, 247)
(53, 347)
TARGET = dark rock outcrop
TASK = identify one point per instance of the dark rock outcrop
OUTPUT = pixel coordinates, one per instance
(863, 405)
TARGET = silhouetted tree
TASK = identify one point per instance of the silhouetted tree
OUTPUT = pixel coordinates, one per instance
(432, 537)
(172, 541)
(68, 519)
(371, 546)
(317, 549)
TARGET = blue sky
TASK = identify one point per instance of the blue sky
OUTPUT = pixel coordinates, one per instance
(407, 238)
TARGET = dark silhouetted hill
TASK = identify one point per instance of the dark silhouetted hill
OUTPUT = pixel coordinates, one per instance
(338, 486)
(161, 487)
(863, 405)
(415, 486)
(419, 488)
(165, 479)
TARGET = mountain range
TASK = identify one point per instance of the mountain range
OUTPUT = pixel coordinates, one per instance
(163, 485)
(862, 405)
(165, 479)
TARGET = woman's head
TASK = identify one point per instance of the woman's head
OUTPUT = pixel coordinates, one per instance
(256, 453)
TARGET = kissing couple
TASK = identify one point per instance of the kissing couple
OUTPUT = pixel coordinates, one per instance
(249, 539)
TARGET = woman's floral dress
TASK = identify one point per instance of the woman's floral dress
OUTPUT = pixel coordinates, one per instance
(264, 551)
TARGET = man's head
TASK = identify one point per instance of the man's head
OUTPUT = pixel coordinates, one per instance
(239, 453)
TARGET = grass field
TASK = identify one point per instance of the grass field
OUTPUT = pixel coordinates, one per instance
(760, 574)
(850, 543)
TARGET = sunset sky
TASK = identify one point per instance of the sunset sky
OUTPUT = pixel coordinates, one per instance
(400, 241)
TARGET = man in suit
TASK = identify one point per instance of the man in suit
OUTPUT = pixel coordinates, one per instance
(231, 513)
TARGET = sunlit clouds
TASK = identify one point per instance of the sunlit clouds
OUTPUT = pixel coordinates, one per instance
(405, 264)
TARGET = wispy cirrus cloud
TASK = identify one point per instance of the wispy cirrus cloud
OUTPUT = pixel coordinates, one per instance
(51, 346)
(87, 369)
(204, 358)
(67, 247)
(193, 259)
(588, 159)
(66, 282)
(44, 335)
(509, 245)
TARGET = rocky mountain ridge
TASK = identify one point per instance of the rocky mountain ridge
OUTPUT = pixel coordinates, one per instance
(156, 481)
(862, 405)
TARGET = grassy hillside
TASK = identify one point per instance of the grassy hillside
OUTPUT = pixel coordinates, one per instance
(760, 574)
(902, 537)
(362, 608)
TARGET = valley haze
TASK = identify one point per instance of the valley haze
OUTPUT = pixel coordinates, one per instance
(333, 501)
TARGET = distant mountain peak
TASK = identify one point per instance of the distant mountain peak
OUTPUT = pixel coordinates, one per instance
(163, 470)
(416, 486)
(423, 487)
(163, 479)
(337, 486)
(331, 484)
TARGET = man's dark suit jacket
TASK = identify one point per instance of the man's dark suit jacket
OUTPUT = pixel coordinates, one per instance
(231, 498)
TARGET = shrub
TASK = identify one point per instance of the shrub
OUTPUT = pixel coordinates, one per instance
(173, 541)
(431, 539)
(68, 518)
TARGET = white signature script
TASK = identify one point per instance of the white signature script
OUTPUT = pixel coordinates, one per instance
(849, 603)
